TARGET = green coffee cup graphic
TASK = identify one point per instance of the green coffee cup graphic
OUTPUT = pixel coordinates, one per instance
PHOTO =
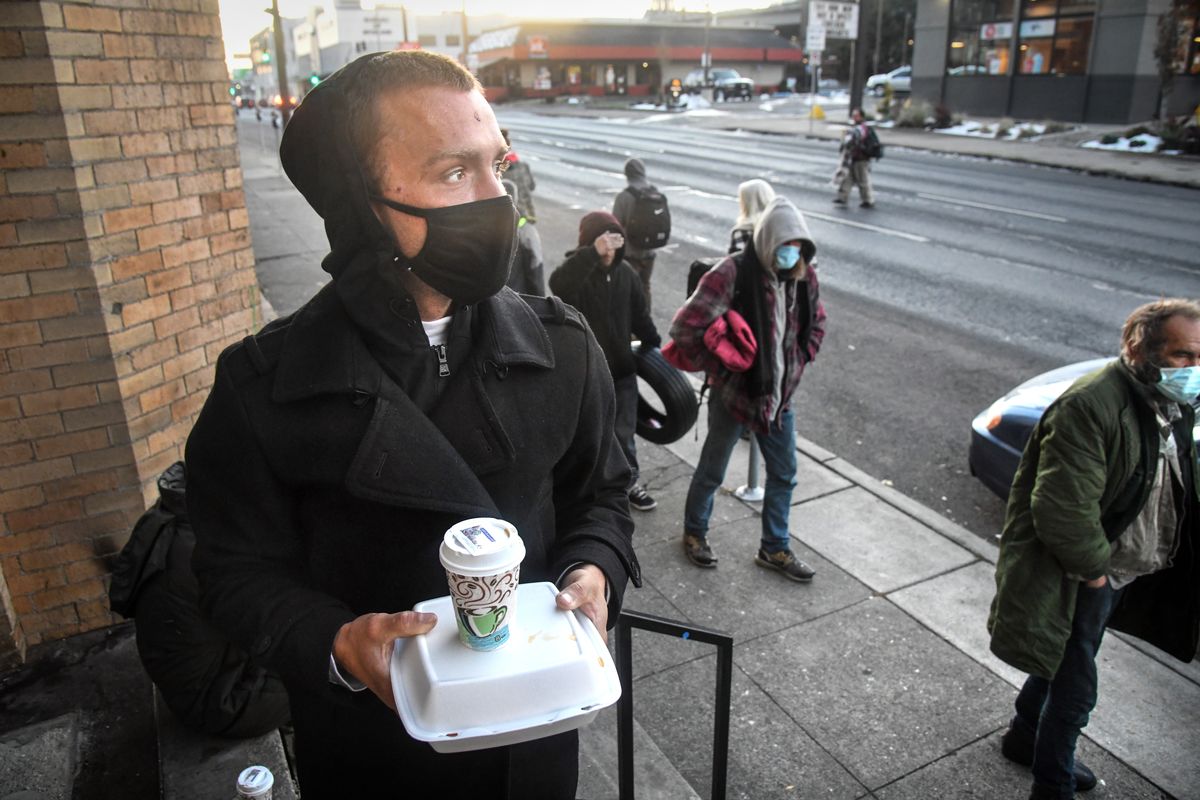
(482, 558)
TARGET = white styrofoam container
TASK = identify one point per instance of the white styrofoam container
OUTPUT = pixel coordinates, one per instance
(554, 675)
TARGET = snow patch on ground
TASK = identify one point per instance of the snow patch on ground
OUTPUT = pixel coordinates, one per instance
(1143, 143)
(1020, 130)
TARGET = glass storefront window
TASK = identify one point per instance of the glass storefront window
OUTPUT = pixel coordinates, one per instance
(1071, 42)
(981, 37)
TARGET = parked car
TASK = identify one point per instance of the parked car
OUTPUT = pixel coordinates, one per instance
(900, 80)
(999, 434)
(725, 83)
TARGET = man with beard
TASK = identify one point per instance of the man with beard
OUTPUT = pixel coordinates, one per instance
(1101, 531)
(410, 393)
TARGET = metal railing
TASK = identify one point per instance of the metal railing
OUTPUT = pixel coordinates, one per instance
(626, 622)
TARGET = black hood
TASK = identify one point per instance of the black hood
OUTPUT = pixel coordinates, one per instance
(319, 159)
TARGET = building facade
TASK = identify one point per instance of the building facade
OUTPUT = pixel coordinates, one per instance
(1071, 60)
(554, 57)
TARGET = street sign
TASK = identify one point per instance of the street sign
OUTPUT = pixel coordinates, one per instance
(814, 37)
(839, 19)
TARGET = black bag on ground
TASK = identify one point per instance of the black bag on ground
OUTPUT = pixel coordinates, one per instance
(208, 682)
(650, 222)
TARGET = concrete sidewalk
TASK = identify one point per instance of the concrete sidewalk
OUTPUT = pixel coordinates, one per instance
(875, 680)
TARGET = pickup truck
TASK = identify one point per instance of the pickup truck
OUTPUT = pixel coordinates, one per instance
(725, 83)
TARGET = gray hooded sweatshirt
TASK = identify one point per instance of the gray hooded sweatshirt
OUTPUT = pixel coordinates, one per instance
(780, 223)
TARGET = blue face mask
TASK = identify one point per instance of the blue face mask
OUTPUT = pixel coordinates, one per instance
(1181, 384)
(786, 257)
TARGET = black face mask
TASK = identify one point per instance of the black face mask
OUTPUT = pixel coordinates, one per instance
(468, 248)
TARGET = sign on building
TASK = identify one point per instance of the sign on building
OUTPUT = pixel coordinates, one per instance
(839, 19)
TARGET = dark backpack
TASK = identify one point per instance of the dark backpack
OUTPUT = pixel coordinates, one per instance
(696, 272)
(649, 224)
(872, 146)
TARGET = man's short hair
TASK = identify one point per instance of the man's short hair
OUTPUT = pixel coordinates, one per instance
(1142, 338)
(386, 72)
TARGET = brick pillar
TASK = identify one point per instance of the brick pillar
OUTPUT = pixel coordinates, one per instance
(125, 268)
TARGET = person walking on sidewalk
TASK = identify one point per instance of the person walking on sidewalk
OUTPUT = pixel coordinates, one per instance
(855, 169)
(1102, 530)
(597, 281)
(527, 275)
(753, 196)
(518, 171)
(625, 207)
(339, 444)
(772, 285)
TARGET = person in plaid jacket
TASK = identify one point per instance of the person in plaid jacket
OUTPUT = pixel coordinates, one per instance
(772, 283)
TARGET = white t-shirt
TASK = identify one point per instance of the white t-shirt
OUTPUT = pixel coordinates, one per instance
(437, 330)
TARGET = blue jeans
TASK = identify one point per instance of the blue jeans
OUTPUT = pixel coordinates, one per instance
(1058, 709)
(779, 454)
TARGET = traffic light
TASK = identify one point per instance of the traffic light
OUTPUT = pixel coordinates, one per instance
(314, 79)
(266, 58)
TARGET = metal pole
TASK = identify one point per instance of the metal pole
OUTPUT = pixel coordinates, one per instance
(285, 110)
(625, 710)
(752, 492)
(879, 35)
(464, 32)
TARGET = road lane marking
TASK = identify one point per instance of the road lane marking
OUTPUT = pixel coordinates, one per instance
(990, 207)
(912, 237)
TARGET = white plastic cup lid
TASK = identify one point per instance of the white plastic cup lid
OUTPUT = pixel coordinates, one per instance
(255, 781)
(481, 546)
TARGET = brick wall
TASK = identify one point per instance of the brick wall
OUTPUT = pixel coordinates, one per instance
(125, 268)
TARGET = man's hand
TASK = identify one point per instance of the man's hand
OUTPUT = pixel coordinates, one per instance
(1097, 583)
(585, 591)
(606, 244)
(363, 647)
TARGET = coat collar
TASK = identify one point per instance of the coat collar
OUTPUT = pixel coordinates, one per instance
(323, 352)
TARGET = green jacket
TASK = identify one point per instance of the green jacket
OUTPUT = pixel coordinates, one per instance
(1084, 477)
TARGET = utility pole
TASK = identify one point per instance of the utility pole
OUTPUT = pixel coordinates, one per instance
(285, 95)
(706, 57)
(878, 34)
(404, 22)
(464, 32)
(904, 41)
(857, 65)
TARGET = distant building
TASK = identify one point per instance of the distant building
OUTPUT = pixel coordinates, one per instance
(262, 85)
(1073, 60)
(535, 58)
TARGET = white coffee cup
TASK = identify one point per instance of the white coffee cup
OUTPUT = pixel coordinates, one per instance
(482, 558)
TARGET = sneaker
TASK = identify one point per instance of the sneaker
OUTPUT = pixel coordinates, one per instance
(837, 201)
(639, 499)
(866, 205)
(698, 552)
(783, 561)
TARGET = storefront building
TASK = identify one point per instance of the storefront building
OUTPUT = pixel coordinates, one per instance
(548, 58)
(1070, 60)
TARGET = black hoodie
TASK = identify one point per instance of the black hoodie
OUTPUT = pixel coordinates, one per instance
(365, 265)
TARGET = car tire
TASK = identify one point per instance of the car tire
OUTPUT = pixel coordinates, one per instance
(675, 395)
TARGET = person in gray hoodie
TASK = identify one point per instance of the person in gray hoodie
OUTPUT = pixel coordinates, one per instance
(642, 261)
(772, 284)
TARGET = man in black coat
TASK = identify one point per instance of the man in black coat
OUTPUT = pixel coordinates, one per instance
(411, 392)
(597, 281)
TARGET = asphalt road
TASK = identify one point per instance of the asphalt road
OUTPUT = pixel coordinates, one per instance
(968, 277)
